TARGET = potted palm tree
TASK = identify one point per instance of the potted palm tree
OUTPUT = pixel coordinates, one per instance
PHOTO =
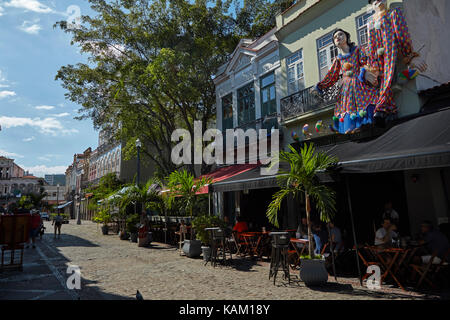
(103, 216)
(302, 179)
(184, 186)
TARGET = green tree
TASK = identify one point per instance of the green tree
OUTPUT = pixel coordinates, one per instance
(108, 184)
(302, 178)
(183, 185)
(257, 17)
(150, 70)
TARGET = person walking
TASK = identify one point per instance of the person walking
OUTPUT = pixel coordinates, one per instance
(57, 222)
(35, 225)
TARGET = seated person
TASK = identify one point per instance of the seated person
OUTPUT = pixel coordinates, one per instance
(336, 237)
(435, 242)
(320, 237)
(240, 226)
(302, 230)
(384, 235)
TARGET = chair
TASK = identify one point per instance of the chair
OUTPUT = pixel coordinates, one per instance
(368, 260)
(429, 271)
(241, 246)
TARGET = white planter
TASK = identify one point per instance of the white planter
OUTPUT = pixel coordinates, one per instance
(192, 248)
(313, 272)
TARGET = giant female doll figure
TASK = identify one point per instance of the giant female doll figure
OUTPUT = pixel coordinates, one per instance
(388, 34)
(356, 101)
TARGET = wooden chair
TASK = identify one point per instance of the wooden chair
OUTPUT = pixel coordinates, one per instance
(429, 271)
(241, 246)
(368, 260)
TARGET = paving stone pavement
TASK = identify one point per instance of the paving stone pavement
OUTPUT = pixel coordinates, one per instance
(114, 269)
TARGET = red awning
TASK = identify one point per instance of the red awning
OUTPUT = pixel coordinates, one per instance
(226, 173)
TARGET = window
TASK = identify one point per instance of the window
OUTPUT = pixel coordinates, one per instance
(268, 95)
(362, 28)
(327, 51)
(296, 77)
(227, 112)
(246, 104)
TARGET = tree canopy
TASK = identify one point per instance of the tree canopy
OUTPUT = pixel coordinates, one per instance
(151, 66)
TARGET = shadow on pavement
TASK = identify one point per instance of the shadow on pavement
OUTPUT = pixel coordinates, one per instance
(45, 277)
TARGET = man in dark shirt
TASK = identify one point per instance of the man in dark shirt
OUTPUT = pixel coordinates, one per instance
(435, 241)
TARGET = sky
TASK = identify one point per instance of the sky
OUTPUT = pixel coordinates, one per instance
(38, 128)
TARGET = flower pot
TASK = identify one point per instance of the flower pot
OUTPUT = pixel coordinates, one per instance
(192, 248)
(145, 241)
(105, 230)
(134, 237)
(206, 251)
(124, 235)
(313, 272)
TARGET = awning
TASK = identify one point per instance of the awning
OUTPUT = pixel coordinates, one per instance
(248, 180)
(64, 205)
(226, 173)
(420, 143)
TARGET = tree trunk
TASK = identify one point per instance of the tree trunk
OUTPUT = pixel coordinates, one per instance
(308, 219)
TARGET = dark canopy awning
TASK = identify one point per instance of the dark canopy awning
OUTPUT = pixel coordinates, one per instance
(421, 143)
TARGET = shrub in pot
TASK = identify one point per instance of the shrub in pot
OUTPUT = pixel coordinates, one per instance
(103, 216)
(200, 224)
(132, 227)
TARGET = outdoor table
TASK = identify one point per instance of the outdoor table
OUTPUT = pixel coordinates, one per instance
(252, 240)
(395, 254)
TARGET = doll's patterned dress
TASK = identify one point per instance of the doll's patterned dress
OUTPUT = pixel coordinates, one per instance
(356, 100)
(386, 37)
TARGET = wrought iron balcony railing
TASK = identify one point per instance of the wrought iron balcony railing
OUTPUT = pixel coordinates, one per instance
(305, 101)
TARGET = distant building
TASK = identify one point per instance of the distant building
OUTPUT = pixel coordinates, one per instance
(15, 182)
(55, 179)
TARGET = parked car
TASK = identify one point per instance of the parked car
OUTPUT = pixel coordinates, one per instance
(45, 216)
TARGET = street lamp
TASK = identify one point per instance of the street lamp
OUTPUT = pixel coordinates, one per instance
(138, 146)
(57, 197)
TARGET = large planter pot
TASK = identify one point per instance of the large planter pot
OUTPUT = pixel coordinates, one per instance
(313, 272)
(145, 241)
(134, 237)
(124, 235)
(206, 252)
(105, 230)
(192, 248)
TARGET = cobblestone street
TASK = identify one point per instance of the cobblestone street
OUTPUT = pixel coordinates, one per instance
(115, 269)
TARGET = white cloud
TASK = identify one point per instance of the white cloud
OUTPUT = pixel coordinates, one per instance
(42, 170)
(9, 154)
(44, 159)
(60, 115)
(30, 27)
(44, 107)
(29, 139)
(1, 11)
(5, 94)
(31, 5)
(50, 126)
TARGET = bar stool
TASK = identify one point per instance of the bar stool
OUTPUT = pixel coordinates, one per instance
(279, 255)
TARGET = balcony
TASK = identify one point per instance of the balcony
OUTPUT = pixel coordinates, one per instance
(304, 102)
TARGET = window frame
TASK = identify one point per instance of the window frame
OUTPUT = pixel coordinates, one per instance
(246, 116)
(272, 101)
(329, 48)
(226, 125)
(360, 26)
(294, 65)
